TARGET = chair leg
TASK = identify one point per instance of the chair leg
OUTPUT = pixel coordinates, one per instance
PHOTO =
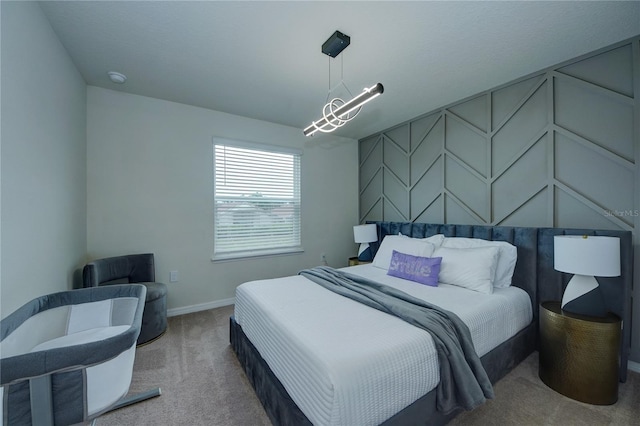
(134, 399)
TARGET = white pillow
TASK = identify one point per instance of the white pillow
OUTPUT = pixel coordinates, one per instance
(507, 256)
(402, 244)
(436, 239)
(472, 268)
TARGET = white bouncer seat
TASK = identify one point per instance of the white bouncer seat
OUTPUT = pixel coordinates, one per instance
(67, 357)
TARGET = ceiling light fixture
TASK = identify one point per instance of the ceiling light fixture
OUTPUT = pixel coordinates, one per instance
(336, 112)
(117, 77)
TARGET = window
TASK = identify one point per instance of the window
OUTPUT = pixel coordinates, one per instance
(256, 200)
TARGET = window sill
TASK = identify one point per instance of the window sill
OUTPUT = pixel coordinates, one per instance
(227, 257)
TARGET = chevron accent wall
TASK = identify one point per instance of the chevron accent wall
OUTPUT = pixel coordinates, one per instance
(558, 148)
(555, 149)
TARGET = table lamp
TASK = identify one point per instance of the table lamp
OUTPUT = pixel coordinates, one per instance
(586, 257)
(365, 234)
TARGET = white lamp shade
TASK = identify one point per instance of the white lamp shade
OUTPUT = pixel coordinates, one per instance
(365, 233)
(587, 255)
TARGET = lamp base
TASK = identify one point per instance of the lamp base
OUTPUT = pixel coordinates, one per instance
(583, 296)
(364, 253)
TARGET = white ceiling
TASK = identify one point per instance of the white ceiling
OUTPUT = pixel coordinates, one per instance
(263, 60)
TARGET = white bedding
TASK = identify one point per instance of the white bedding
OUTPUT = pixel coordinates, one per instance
(344, 363)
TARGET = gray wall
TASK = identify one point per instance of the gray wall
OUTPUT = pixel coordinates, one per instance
(150, 186)
(43, 208)
(89, 172)
(557, 148)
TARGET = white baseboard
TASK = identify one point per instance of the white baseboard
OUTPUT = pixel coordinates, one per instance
(633, 366)
(200, 307)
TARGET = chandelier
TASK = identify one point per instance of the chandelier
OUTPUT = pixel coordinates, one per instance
(336, 112)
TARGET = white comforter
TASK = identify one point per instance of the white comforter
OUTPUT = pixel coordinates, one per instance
(344, 363)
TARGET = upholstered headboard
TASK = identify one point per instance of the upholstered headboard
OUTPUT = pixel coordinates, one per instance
(534, 271)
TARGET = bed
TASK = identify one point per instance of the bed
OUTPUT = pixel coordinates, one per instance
(311, 357)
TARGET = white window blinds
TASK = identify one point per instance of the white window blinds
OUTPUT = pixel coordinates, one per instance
(256, 201)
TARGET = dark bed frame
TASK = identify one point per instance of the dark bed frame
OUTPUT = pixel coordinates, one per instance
(534, 273)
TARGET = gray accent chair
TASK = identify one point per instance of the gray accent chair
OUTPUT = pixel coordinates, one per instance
(66, 358)
(133, 268)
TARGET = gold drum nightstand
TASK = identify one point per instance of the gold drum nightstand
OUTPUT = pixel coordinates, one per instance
(579, 354)
(355, 261)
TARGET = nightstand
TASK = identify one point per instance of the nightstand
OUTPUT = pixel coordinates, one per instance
(579, 354)
(355, 261)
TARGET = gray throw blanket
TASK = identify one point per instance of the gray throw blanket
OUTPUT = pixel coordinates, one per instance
(463, 380)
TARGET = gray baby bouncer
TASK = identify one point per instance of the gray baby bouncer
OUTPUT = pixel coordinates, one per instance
(67, 357)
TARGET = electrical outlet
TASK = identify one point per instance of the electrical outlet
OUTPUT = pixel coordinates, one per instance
(173, 276)
(323, 259)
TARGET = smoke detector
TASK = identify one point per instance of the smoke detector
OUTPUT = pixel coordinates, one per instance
(117, 77)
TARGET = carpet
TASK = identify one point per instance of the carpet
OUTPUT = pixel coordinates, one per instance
(203, 384)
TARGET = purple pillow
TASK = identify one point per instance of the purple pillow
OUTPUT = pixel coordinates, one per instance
(423, 270)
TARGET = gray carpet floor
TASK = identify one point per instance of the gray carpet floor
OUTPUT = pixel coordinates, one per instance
(203, 384)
